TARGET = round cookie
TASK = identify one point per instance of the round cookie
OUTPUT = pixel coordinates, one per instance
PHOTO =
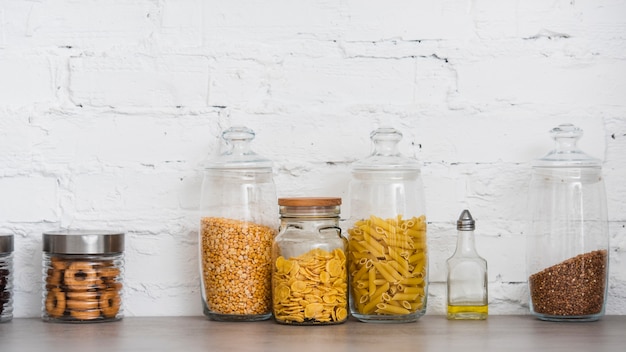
(55, 303)
(80, 276)
(89, 314)
(110, 303)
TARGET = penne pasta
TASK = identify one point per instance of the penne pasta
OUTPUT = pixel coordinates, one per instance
(384, 308)
(387, 265)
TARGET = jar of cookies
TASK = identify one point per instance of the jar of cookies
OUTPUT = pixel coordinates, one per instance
(83, 273)
(387, 234)
(568, 234)
(309, 266)
(6, 278)
(239, 219)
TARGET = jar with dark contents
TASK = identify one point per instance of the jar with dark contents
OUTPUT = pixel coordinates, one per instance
(83, 272)
(6, 278)
(309, 266)
(567, 239)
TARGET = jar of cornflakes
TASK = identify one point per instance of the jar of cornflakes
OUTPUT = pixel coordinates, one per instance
(309, 268)
(239, 219)
(387, 235)
(6, 277)
(83, 274)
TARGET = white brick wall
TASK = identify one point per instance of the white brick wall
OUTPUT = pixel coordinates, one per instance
(107, 109)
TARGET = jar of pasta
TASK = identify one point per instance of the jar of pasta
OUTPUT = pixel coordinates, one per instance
(6, 278)
(239, 219)
(83, 274)
(387, 235)
(309, 267)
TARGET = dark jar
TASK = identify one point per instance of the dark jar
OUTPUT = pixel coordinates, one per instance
(568, 240)
(6, 278)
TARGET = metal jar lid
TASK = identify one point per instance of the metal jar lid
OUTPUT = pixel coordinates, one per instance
(6, 244)
(83, 242)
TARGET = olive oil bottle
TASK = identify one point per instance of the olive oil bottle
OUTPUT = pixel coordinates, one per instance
(467, 296)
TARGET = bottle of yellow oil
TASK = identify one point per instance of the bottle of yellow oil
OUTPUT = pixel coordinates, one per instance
(466, 289)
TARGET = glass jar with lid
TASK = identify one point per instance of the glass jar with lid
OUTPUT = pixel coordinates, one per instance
(83, 274)
(309, 273)
(239, 219)
(6, 277)
(567, 240)
(387, 234)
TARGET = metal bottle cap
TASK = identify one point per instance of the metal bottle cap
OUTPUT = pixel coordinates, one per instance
(465, 222)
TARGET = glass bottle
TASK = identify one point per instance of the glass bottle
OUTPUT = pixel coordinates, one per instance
(239, 219)
(466, 275)
(387, 235)
(83, 274)
(567, 240)
(309, 273)
(6, 278)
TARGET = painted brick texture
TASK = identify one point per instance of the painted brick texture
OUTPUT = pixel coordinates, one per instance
(108, 108)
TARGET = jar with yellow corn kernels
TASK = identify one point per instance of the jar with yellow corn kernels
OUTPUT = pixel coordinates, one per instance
(239, 220)
(387, 235)
(309, 266)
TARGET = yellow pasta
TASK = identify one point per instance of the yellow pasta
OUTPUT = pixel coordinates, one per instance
(383, 271)
(405, 297)
(395, 255)
(372, 249)
(366, 229)
(400, 269)
(378, 222)
(372, 284)
(388, 265)
(417, 290)
(384, 308)
(379, 296)
(311, 288)
(359, 274)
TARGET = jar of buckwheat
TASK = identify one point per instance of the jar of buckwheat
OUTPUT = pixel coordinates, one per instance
(239, 219)
(567, 240)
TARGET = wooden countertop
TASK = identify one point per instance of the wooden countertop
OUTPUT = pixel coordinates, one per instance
(430, 333)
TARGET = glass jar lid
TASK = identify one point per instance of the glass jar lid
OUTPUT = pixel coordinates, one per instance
(309, 206)
(6, 244)
(83, 242)
(566, 152)
(386, 155)
(239, 154)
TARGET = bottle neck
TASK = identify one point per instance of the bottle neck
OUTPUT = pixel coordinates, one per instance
(465, 242)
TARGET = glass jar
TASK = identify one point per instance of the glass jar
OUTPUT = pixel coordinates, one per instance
(567, 241)
(387, 235)
(6, 278)
(309, 273)
(239, 219)
(83, 274)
